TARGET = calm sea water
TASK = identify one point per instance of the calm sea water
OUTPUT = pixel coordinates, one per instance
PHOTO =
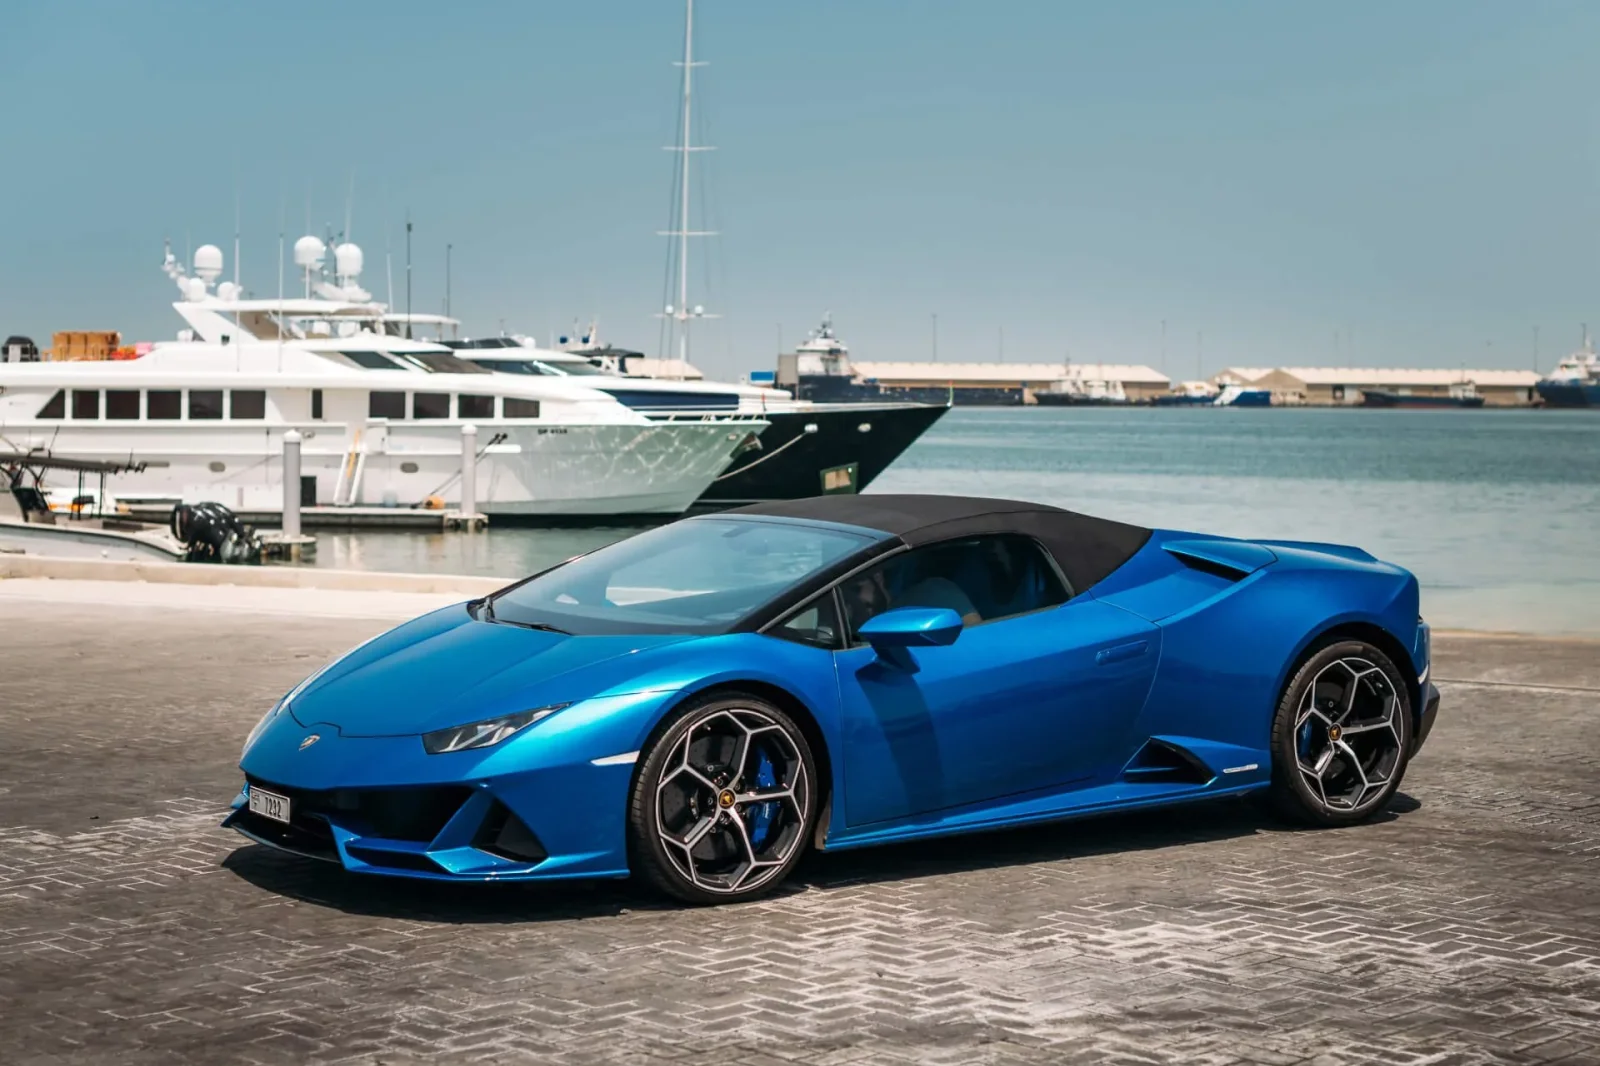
(1495, 511)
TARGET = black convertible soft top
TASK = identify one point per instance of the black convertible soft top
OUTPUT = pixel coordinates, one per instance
(1086, 548)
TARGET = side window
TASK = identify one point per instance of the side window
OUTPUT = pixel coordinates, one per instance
(248, 403)
(316, 403)
(85, 403)
(164, 404)
(816, 624)
(430, 405)
(517, 408)
(476, 406)
(205, 403)
(983, 579)
(122, 404)
(386, 405)
(55, 406)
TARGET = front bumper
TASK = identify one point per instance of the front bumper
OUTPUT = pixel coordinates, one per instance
(437, 832)
(380, 805)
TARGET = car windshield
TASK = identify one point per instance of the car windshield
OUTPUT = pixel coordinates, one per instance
(701, 575)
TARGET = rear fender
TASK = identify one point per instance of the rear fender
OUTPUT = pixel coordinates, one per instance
(1225, 664)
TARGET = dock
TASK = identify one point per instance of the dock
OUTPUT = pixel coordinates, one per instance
(1460, 926)
(406, 518)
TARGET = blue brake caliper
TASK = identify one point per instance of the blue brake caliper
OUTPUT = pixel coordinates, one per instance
(761, 814)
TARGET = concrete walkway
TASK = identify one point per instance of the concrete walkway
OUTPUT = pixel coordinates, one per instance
(1462, 926)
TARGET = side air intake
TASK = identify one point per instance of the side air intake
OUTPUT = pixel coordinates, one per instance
(1230, 559)
(1159, 763)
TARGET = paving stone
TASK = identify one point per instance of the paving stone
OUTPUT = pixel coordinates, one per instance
(1462, 926)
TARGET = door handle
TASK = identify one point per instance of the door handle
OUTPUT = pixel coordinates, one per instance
(1133, 650)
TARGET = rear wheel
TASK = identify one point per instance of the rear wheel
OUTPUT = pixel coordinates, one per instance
(724, 802)
(1341, 736)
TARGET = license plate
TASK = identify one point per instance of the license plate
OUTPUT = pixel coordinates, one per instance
(269, 805)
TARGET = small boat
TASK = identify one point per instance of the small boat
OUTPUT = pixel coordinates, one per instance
(1188, 394)
(1463, 395)
(75, 526)
(1082, 392)
(1243, 396)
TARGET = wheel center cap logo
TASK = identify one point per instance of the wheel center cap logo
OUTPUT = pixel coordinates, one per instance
(726, 798)
(1334, 732)
(310, 740)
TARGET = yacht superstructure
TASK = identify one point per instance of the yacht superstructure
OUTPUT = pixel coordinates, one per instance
(381, 416)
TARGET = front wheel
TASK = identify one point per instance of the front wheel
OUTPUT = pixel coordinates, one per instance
(1341, 736)
(723, 805)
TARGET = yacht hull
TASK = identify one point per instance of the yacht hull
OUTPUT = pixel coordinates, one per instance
(552, 471)
(791, 462)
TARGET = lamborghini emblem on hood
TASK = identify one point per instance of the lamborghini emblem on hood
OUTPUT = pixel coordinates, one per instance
(310, 740)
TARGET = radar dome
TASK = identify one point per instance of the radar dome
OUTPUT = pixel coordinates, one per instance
(208, 262)
(308, 252)
(194, 289)
(228, 291)
(347, 260)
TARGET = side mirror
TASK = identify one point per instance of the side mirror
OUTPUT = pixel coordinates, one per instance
(912, 627)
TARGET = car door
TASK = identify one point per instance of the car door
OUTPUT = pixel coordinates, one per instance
(1023, 701)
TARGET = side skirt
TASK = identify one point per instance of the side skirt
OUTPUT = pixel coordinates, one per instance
(1055, 807)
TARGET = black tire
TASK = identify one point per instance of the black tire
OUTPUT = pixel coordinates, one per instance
(760, 812)
(1346, 709)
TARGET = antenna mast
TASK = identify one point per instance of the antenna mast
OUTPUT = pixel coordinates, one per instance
(681, 312)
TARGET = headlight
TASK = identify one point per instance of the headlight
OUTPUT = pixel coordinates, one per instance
(484, 734)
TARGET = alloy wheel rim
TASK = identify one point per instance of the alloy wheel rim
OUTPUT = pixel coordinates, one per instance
(1347, 735)
(732, 802)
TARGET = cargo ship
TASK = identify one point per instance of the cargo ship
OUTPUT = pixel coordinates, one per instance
(1575, 382)
(1464, 395)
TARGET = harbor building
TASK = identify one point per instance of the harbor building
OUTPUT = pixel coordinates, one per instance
(1350, 386)
(1011, 382)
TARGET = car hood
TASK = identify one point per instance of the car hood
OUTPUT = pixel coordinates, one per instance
(447, 668)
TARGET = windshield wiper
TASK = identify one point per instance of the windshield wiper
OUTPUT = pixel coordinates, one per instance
(543, 627)
(487, 614)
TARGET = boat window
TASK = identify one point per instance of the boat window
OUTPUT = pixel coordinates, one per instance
(163, 404)
(518, 408)
(55, 406)
(531, 367)
(249, 403)
(476, 406)
(440, 363)
(85, 403)
(122, 403)
(205, 403)
(698, 576)
(430, 405)
(576, 368)
(371, 360)
(316, 403)
(386, 405)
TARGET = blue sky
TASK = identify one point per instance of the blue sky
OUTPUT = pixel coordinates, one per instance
(1401, 183)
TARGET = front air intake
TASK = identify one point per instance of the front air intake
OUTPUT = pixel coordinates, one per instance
(504, 834)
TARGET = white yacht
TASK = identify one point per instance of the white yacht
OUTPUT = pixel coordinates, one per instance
(381, 416)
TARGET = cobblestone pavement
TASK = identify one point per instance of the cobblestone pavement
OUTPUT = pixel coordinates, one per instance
(1462, 927)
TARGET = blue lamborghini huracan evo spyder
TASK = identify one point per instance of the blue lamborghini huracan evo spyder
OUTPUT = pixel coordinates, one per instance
(698, 704)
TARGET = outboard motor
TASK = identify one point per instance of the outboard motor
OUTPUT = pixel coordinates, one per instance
(211, 533)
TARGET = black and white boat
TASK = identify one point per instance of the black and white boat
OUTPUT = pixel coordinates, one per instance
(807, 448)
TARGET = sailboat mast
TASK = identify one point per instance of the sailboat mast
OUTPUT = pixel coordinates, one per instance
(683, 207)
